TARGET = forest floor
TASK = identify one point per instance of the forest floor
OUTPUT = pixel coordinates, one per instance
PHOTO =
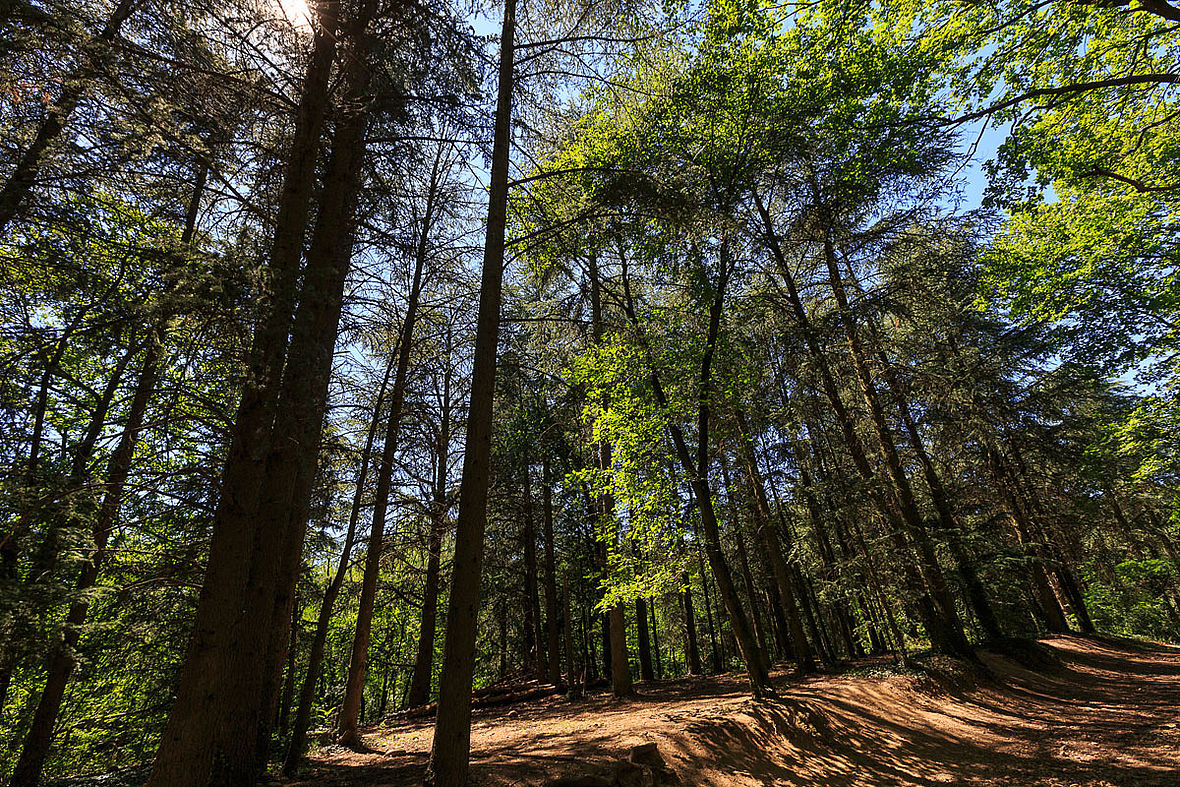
(1104, 712)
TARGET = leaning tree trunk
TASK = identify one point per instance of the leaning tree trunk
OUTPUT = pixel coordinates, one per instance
(451, 746)
(45, 560)
(927, 559)
(976, 593)
(788, 593)
(744, 564)
(697, 472)
(190, 743)
(62, 659)
(935, 624)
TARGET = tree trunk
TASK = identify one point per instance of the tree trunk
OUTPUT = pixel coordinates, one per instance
(645, 666)
(788, 594)
(927, 560)
(315, 655)
(28, 167)
(534, 660)
(718, 662)
(550, 578)
(936, 625)
(744, 565)
(690, 629)
(655, 641)
(1054, 615)
(346, 723)
(294, 458)
(452, 732)
(697, 472)
(45, 560)
(423, 674)
(976, 593)
(192, 740)
(571, 673)
(289, 678)
(61, 663)
(618, 665)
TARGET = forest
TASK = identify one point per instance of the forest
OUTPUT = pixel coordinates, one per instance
(374, 359)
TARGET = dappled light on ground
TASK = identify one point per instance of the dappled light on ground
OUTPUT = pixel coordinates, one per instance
(1109, 716)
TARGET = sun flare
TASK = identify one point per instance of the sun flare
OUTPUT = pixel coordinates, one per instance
(296, 12)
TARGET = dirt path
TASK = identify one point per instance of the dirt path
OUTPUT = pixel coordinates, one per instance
(1110, 717)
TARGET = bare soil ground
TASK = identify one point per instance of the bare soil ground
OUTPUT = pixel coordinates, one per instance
(1109, 716)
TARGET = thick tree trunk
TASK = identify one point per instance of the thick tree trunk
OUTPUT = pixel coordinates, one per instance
(452, 732)
(205, 711)
(620, 665)
(294, 460)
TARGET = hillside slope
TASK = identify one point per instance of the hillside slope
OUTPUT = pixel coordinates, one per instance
(1109, 714)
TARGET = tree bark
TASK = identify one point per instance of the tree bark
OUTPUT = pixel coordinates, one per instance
(951, 527)
(571, 674)
(192, 740)
(534, 660)
(690, 629)
(452, 732)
